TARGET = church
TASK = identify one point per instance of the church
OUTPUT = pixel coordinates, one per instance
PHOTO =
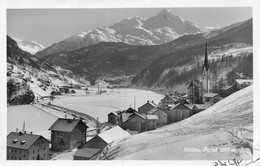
(199, 90)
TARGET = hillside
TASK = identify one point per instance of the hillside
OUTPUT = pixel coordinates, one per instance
(227, 124)
(184, 64)
(28, 78)
(158, 29)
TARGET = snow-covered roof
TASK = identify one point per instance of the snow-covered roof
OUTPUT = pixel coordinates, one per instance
(244, 81)
(210, 95)
(190, 106)
(152, 117)
(22, 140)
(113, 134)
(66, 125)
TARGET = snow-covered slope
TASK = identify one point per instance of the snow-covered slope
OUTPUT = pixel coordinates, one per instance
(29, 46)
(224, 131)
(163, 27)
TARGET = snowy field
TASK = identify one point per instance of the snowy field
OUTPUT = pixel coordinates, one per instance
(100, 105)
(36, 120)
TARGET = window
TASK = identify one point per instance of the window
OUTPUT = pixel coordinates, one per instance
(38, 150)
(44, 148)
(19, 152)
(44, 154)
(24, 155)
(33, 158)
(19, 158)
(33, 151)
(15, 158)
(7, 156)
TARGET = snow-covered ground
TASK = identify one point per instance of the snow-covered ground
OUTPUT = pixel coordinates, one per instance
(36, 120)
(100, 105)
(224, 131)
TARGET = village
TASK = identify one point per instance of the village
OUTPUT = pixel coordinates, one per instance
(71, 132)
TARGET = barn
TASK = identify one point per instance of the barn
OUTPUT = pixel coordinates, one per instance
(135, 122)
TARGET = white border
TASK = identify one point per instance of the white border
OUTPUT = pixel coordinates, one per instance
(8, 4)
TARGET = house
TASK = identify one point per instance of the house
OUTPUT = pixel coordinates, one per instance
(192, 107)
(167, 100)
(85, 153)
(151, 122)
(211, 98)
(103, 139)
(242, 83)
(179, 112)
(135, 122)
(201, 107)
(146, 107)
(67, 134)
(195, 92)
(227, 90)
(22, 146)
(113, 117)
(162, 116)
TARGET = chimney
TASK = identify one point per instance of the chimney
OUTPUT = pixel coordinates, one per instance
(24, 132)
(20, 133)
(17, 130)
(31, 132)
(147, 101)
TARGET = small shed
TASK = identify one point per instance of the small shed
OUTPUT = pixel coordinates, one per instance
(85, 153)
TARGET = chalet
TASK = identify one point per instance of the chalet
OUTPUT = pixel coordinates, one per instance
(67, 134)
(227, 90)
(195, 92)
(22, 146)
(151, 122)
(242, 83)
(146, 107)
(162, 116)
(167, 100)
(103, 139)
(135, 122)
(179, 112)
(211, 98)
(118, 117)
(86, 153)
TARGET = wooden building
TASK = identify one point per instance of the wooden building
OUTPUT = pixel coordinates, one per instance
(22, 146)
(67, 134)
(195, 92)
(211, 98)
(167, 100)
(151, 122)
(114, 117)
(193, 108)
(146, 107)
(179, 112)
(103, 139)
(135, 122)
(86, 153)
(228, 90)
(162, 116)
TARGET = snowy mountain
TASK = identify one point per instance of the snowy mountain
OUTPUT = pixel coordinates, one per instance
(29, 46)
(163, 27)
(228, 125)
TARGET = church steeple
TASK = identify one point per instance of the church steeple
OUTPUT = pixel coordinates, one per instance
(206, 61)
(205, 68)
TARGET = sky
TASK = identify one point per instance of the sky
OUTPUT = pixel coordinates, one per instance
(47, 26)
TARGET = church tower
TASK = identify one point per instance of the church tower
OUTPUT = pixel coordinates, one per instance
(206, 71)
